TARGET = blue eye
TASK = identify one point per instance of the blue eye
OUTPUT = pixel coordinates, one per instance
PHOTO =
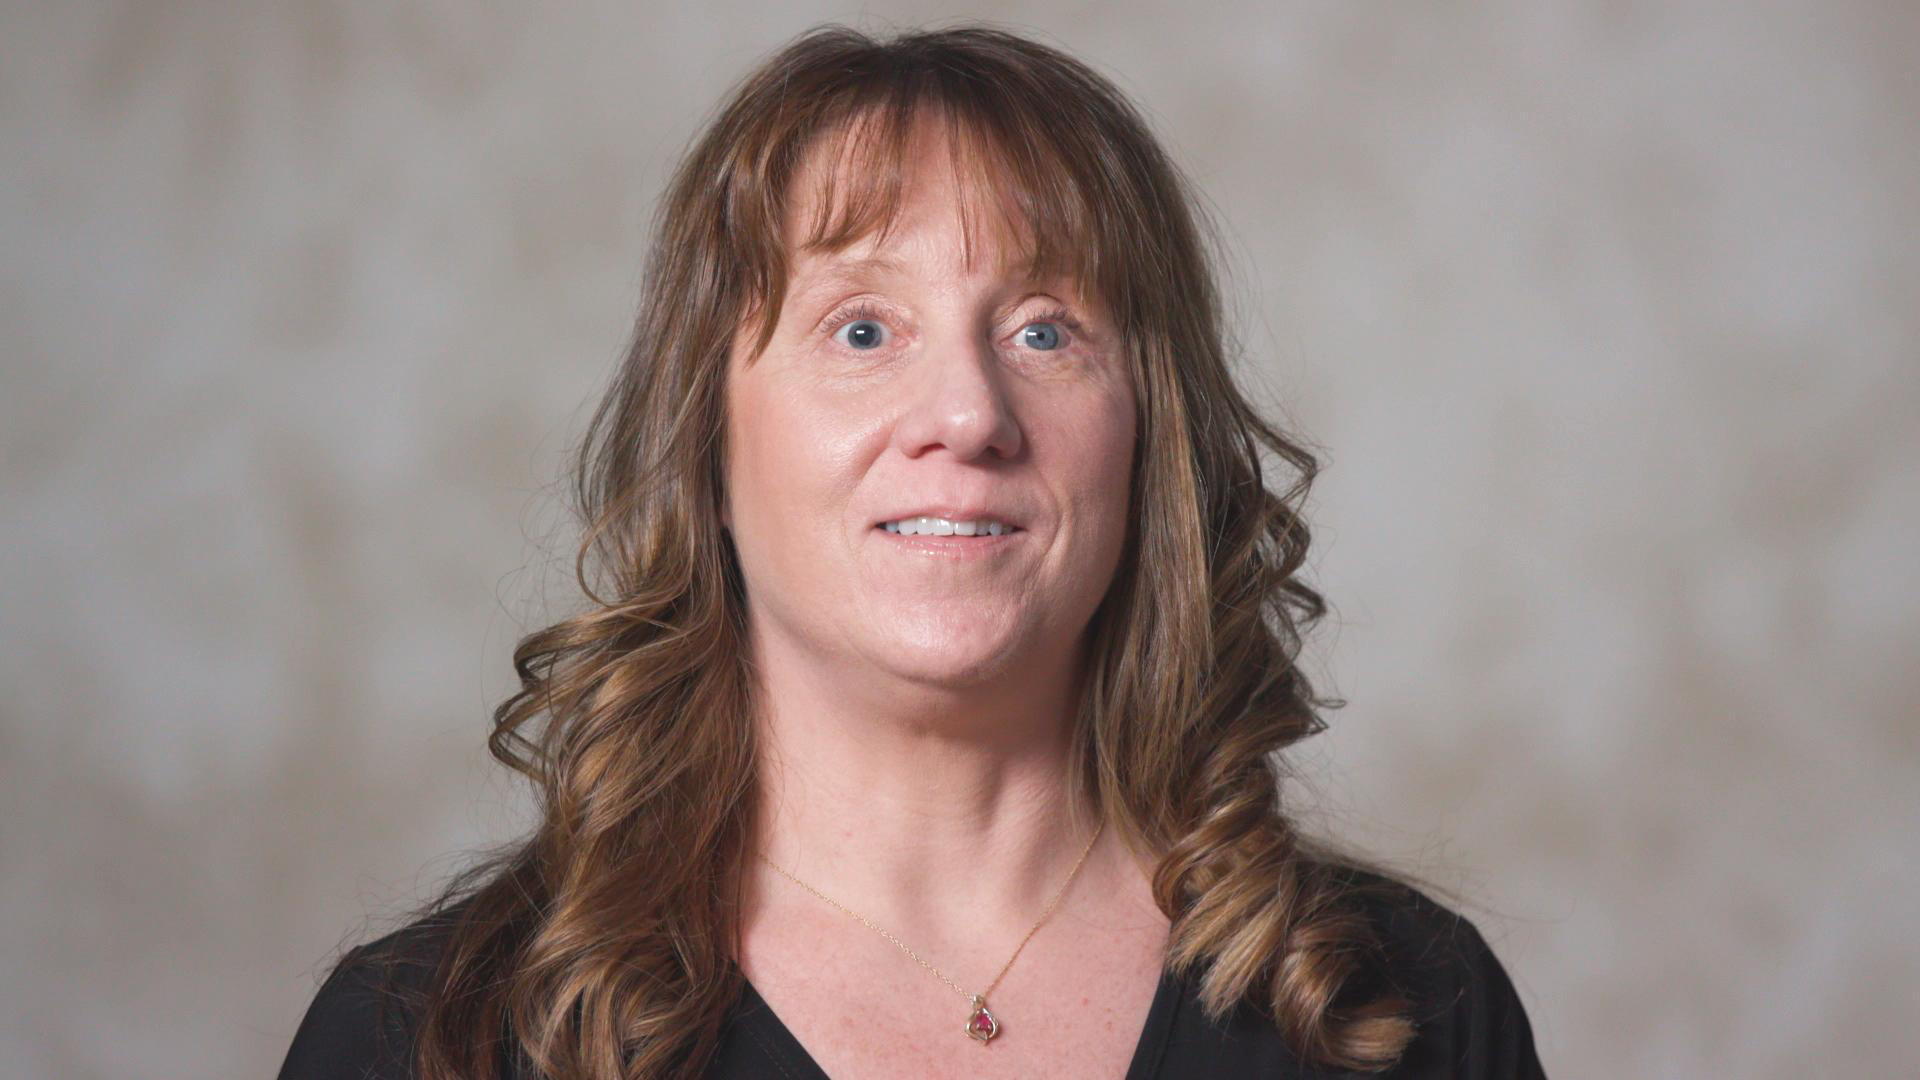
(863, 334)
(1042, 335)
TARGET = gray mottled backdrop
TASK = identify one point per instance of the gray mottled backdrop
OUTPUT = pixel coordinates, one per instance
(1604, 315)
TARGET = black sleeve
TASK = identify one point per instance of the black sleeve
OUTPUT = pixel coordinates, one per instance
(353, 1030)
(1489, 1034)
(1468, 1020)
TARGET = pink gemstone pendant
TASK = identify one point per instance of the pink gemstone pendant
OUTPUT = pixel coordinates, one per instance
(981, 1026)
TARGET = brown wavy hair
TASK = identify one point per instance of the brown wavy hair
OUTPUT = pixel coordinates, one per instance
(601, 945)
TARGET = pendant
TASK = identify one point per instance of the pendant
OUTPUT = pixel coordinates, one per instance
(981, 1026)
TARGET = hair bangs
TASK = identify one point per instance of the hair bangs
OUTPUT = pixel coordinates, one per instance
(1022, 184)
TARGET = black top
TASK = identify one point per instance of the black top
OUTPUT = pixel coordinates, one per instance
(1470, 1020)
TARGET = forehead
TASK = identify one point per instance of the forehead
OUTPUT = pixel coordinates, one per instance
(871, 200)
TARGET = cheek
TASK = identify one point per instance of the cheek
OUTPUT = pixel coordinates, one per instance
(1096, 466)
(1110, 441)
(757, 459)
(1114, 475)
(787, 457)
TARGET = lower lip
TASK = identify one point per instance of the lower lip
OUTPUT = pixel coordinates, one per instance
(950, 547)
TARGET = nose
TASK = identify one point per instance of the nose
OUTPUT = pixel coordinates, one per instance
(958, 399)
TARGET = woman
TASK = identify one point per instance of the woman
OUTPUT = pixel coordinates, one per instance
(944, 629)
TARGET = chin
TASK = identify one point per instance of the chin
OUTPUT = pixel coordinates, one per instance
(948, 663)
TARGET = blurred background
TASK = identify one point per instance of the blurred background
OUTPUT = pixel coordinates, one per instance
(1603, 317)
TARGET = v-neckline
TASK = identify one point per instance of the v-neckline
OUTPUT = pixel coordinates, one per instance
(764, 1026)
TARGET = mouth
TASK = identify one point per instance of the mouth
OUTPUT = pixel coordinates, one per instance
(932, 526)
(959, 540)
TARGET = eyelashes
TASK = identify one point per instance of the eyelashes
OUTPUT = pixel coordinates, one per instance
(865, 311)
(858, 312)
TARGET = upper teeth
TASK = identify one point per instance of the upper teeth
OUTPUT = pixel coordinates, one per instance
(939, 526)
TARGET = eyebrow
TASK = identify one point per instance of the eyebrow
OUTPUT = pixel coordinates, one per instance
(850, 271)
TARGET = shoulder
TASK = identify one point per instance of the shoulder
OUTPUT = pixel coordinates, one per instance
(360, 1023)
(1468, 1021)
(1468, 1015)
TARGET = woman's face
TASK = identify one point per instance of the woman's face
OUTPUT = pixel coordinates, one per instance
(900, 383)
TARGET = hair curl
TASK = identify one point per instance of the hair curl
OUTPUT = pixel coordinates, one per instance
(584, 952)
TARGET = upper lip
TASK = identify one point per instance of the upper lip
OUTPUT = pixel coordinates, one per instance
(955, 514)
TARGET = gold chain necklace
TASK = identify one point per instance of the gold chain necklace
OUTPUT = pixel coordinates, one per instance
(982, 1025)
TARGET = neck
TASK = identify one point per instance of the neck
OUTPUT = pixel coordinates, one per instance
(941, 815)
